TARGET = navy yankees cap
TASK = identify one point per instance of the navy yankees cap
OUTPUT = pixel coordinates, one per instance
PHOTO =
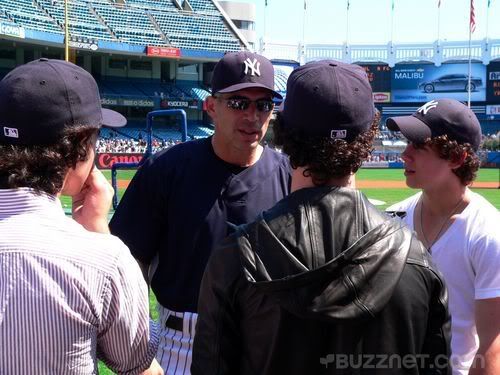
(40, 99)
(328, 99)
(439, 117)
(243, 70)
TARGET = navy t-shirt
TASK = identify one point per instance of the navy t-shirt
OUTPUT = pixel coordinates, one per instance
(178, 206)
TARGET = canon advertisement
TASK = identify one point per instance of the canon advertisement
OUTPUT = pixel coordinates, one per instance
(421, 83)
(107, 159)
(380, 80)
(493, 82)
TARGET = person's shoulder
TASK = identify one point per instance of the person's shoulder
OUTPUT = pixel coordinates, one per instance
(483, 217)
(176, 155)
(403, 206)
(273, 154)
(482, 206)
(276, 159)
(97, 250)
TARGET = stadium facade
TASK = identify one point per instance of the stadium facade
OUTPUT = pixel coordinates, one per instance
(159, 54)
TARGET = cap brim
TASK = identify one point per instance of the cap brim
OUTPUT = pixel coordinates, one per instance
(248, 85)
(112, 119)
(412, 128)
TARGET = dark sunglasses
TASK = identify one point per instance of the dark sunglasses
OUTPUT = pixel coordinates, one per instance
(242, 104)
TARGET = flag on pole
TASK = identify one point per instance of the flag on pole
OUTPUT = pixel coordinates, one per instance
(489, 2)
(348, 5)
(266, 3)
(392, 4)
(439, 3)
(472, 21)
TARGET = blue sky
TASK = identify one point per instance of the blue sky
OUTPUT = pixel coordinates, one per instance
(370, 21)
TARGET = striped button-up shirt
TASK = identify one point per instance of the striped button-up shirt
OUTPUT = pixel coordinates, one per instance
(67, 296)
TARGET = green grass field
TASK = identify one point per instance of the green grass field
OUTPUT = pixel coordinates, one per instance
(389, 196)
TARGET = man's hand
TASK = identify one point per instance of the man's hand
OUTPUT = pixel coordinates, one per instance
(154, 369)
(91, 205)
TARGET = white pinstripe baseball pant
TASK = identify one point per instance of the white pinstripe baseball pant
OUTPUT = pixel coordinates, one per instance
(176, 346)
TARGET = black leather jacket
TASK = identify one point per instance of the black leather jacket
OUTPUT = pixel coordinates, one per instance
(322, 283)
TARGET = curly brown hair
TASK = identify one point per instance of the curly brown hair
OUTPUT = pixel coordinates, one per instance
(325, 158)
(43, 168)
(451, 150)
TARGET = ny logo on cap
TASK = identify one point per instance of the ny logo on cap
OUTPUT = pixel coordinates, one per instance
(427, 106)
(10, 132)
(254, 66)
(338, 134)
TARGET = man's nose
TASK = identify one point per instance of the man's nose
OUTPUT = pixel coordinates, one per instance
(252, 111)
(407, 153)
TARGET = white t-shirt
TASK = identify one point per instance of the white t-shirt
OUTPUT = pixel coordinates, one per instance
(468, 256)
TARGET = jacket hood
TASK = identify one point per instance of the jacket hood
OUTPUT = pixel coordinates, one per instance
(325, 253)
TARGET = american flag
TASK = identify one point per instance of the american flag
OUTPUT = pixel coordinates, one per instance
(472, 22)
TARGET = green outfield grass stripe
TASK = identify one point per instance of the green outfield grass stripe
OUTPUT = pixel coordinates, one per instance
(484, 175)
(385, 174)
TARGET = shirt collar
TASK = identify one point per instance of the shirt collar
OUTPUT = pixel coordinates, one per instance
(27, 200)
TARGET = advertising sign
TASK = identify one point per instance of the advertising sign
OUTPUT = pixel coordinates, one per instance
(493, 82)
(163, 51)
(106, 160)
(83, 43)
(11, 29)
(380, 80)
(174, 103)
(424, 82)
(132, 102)
(493, 110)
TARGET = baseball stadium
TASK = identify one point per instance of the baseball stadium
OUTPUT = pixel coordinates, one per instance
(153, 61)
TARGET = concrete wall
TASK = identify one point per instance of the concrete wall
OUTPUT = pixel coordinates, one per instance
(242, 12)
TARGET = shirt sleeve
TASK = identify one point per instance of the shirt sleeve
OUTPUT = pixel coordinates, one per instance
(141, 217)
(486, 264)
(127, 339)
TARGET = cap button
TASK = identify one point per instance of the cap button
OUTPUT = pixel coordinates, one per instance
(44, 59)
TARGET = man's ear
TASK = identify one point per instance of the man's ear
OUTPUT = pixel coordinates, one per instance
(211, 102)
(458, 160)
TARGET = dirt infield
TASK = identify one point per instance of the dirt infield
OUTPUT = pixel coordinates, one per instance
(381, 184)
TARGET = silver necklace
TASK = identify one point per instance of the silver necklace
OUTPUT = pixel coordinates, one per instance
(460, 201)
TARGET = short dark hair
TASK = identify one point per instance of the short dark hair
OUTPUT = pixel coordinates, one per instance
(43, 168)
(325, 158)
(448, 149)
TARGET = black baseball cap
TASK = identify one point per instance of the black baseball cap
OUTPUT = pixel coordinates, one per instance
(439, 117)
(328, 98)
(38, 100)
(242, 70)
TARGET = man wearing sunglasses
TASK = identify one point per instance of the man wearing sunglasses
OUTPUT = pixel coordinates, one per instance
(182, 201)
